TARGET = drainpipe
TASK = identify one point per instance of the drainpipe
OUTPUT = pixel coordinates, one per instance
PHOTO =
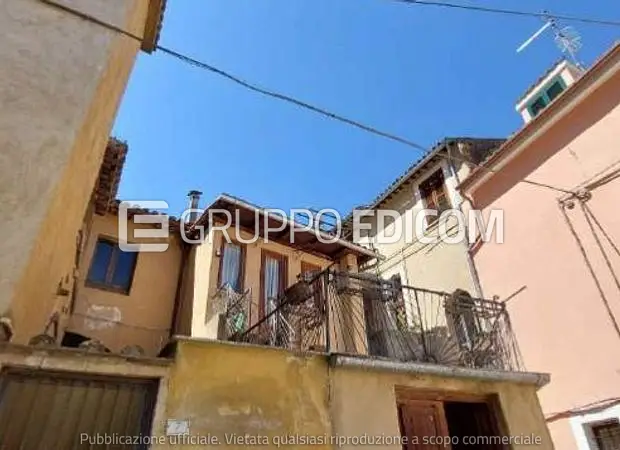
(185, 252)
(473, 271)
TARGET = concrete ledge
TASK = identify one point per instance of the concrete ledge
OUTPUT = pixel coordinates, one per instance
(78, 360)
(381, 364)
(386, 365)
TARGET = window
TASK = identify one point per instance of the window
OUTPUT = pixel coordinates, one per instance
(231, 266)
(434, 195)
(111, 267)
(554, 90)
(273, 280)
(309, 273)
(547, 96)
(607, 435)
(538, 105)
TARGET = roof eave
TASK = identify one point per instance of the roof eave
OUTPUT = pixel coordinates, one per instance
(433, 152)
(152, 28)
(359, 250)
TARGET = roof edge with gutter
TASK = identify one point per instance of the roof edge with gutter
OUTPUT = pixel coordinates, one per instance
(244, 204)
(418, 166)
(606, 67)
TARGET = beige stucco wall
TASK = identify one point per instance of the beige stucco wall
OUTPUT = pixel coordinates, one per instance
(226, 389)
(231, 391)
(61, 79)
(204, 266)
(560, 319)
(364, 403)
(144, 316)
(439, 266)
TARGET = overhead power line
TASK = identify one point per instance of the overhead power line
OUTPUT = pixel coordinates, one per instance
(512, 12)
(253, 87)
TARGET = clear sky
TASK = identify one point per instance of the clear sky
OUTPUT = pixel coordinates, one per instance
(421, 72)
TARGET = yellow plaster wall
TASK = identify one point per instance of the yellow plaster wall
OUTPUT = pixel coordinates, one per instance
(439, 265)
(144, 316)
(206, 263)
(364, 402)
(225, 390)
(65, 80)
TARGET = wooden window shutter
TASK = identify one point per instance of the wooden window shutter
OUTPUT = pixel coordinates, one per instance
(419, 421)
(434, 194)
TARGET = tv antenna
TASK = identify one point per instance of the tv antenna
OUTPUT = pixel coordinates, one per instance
(567, 39)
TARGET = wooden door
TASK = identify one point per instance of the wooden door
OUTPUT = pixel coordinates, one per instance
(423, 424)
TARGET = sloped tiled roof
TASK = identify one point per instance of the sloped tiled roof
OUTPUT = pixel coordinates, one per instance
(480, 149)
(108, 181)
(110, 173)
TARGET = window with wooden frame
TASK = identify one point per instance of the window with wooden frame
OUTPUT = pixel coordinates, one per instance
(273, 280)
(232, 265)
(606, 434)
(434, 195)
(309, 274)
(111, 268)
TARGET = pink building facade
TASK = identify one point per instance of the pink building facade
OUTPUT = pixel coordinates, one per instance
(561, 252)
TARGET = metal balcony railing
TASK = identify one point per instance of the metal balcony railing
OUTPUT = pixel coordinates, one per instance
(366, 315)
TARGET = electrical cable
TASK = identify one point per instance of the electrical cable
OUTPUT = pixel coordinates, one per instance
(513, 12)
(283, 97)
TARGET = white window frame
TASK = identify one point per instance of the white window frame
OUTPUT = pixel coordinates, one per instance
(582, 426)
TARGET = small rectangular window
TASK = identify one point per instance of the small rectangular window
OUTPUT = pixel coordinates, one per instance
(434, 195)
(538, 106)
(111, 267)
(607, 435)
(554, 90)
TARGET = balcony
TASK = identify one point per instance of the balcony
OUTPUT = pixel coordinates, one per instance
(361, 314)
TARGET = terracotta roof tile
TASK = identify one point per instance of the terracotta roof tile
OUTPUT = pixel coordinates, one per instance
(109, 177)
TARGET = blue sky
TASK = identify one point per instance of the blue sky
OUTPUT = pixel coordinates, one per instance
(418, 71)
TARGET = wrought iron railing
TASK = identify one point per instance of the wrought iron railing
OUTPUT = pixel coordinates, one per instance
(234, 308)
(363, 314)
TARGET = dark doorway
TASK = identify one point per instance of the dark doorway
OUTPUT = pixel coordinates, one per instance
(72, 340)
(434, 420)
(473, 425)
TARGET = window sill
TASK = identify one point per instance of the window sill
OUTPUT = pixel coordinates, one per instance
(431, 226)
(107, 288)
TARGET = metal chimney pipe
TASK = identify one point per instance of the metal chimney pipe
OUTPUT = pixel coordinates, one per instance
(194, 201)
